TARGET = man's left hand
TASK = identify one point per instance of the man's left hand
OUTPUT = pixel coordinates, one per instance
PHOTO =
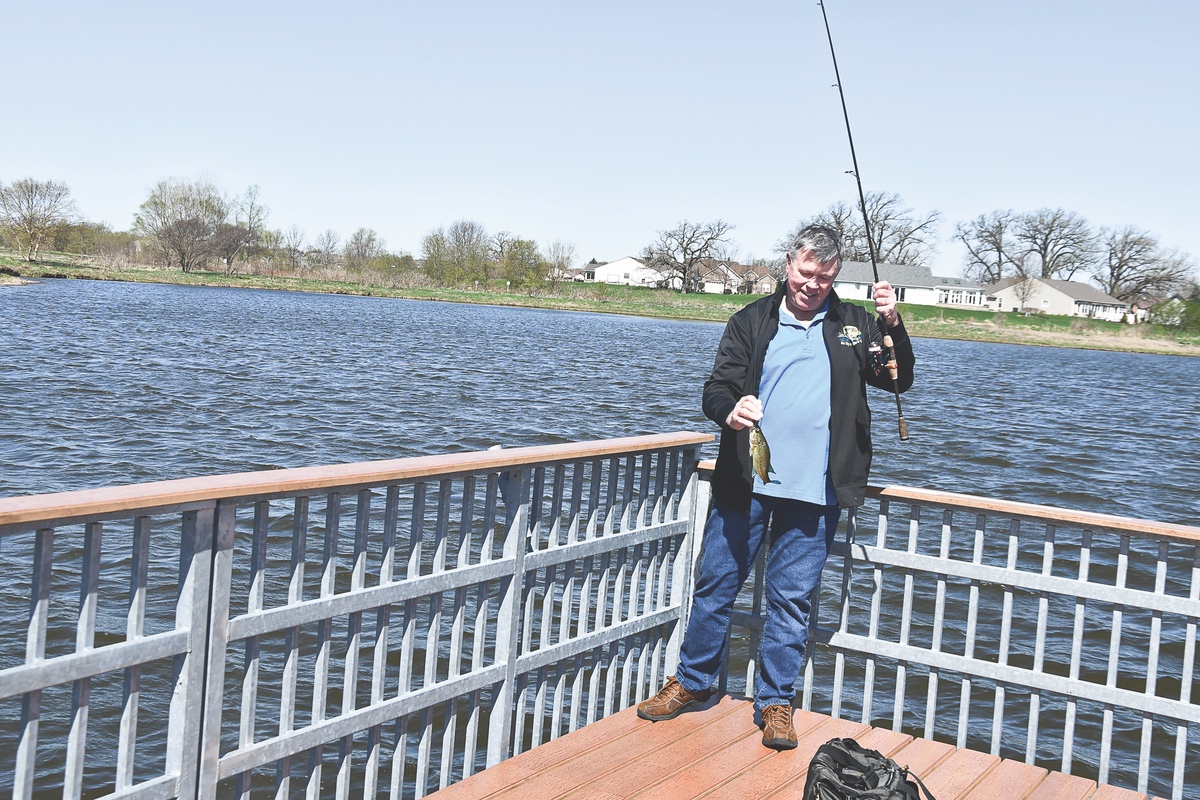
(885, 303)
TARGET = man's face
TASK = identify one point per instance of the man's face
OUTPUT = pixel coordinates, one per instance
(809, 281)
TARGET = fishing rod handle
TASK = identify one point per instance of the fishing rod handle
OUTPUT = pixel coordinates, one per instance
(893, 367)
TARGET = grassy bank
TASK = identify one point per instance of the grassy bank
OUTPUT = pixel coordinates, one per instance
(922, 321)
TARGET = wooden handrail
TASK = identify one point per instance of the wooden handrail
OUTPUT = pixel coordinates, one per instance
(30, 510)
(1010, 508)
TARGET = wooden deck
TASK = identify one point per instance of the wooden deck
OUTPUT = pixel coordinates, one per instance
(717, 752)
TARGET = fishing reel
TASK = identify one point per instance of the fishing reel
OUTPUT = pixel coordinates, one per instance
(880, 357)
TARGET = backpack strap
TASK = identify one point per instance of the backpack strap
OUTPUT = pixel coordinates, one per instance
(924, 788)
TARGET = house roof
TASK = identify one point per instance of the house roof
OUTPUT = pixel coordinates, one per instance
(732, 269)
(756, 272)
(722, 269)
(900, 275)
(1079, 292)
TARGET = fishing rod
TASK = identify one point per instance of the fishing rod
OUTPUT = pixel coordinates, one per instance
(892, 367)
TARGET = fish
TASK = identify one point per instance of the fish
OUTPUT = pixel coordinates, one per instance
(760, 454)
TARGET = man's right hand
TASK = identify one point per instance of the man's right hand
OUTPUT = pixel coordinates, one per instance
(746, 413)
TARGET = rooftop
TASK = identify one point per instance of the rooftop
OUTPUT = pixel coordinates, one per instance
(901, 275)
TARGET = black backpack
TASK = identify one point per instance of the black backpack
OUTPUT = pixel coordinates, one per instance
(842, 769)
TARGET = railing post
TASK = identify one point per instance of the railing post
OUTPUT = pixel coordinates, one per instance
(693, 503)
(843, 627)
(35, 650)
(209, 700)
(516, 491)
(186, 719)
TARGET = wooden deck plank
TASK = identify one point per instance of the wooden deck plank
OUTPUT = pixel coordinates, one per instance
(1018, 778)
(785, 768)
(1114, 793)
(884, 740)
(1058, 786)
(922, 755)
(695, 744)
(647, 747)
(706, 769)
(592, 745)
(958, 774)
(716, 753)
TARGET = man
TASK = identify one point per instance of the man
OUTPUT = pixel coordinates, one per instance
(796, 363)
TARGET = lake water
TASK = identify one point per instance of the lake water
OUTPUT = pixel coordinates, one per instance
(111, 383)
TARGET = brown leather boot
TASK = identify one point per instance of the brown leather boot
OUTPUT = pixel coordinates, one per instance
(778, 733)
(671, 701)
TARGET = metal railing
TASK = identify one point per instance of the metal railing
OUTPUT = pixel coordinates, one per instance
(380, 628)
(1062, 638)
(389, 628)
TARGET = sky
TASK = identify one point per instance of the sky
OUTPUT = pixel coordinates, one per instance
(602, 123)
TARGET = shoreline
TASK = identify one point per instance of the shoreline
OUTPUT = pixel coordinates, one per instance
(700, 308)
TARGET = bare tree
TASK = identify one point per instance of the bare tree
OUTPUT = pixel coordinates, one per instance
(362, 246)
(293, 248)
(236, 239)
(498, 248)
(327, 248)
(560, 257)
(270, 250)
(30, 210)
(1061, 241)
(1025, 279)
(677, 253)
(989, 246)
(899, 234)
(182, 220)
(843, 218)
(1134, 267)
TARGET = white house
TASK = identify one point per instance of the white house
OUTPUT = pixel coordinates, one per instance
(627, 271)
(714, 276)
(913, 284)
(1049, 296)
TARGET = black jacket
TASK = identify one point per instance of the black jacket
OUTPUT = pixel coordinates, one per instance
(738, 369)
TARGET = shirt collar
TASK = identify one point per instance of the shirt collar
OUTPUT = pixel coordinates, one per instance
(787, 318)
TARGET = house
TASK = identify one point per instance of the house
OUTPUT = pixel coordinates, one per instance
(723, 276)
(758, 279)
(715, 276)
(1168, 311)
(627, 271)
(913, 284)
(1050, 296)
(718, 277)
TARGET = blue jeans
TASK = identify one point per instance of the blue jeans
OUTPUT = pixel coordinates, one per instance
(800, 537)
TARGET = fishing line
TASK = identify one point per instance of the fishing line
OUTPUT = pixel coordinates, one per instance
(892, 367)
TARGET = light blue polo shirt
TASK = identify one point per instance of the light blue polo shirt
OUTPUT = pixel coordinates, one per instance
(795, 390)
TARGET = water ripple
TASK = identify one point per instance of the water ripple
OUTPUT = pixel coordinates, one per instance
(109, 383)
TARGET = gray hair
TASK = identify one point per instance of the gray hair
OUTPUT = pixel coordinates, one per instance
(822, 240)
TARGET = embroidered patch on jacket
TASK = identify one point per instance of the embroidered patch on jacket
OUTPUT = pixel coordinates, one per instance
(850, 336)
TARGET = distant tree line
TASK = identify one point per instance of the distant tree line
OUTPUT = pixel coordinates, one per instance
(196, 225)
(1126, 262)
(465, 254)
